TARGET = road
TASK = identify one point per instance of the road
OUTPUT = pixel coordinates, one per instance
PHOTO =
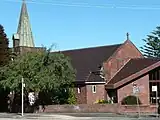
(76, 116)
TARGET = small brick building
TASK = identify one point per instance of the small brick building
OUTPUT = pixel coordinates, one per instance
(123, 65)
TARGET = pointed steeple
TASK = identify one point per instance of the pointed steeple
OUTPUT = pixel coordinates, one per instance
(24, 28)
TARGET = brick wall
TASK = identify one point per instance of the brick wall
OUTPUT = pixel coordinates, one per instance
(122, 55)
(81, 108)
(135, 109)
(86, 96)
(81, 97)
(92, 97)
(108, 108)
(143, 84)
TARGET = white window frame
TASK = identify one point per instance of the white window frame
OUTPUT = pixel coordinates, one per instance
(93, 88)
(79, 90)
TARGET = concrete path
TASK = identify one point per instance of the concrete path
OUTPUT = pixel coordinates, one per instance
(5, 116)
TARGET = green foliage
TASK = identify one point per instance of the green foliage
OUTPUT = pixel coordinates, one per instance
(152, 47)
(130, 100)
(71, 97)
(62, 95)
(103, 101)
(4, 50)
(44, 72)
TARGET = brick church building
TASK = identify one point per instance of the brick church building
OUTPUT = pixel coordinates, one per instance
(105, 72)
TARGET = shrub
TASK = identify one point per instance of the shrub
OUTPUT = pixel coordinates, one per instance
(130, 100)
(72, 97)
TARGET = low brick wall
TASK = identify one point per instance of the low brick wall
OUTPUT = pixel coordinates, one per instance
(135, 109)
(111, 108)
(108, 108)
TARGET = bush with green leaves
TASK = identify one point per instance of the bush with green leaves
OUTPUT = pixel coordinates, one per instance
(130, 100)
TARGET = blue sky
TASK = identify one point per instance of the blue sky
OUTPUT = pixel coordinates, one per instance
(69, 27)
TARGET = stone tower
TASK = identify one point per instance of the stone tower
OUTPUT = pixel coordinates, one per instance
(23, 40)
(24, 36)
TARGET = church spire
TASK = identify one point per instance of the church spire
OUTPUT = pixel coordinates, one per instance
(24, 28)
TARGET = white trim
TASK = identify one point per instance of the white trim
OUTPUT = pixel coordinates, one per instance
(95, 82)
(93, 88)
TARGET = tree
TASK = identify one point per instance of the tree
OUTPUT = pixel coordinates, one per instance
(152, 47)
(4, 59)
(4, 49)
(43, 72)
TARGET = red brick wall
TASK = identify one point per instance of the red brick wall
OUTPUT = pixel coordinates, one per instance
(134, 109)
(92, 97)
(83, 108)
(104, 108)
(143, 84)
(123, 54)
(81, 97)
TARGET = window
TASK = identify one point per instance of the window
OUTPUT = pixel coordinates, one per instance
(79, 90)
(93, 88)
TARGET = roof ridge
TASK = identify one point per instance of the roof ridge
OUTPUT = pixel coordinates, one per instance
(129, 41)
(91, 47)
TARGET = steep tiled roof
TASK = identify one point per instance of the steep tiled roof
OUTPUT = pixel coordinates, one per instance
(89, 59)
(132, 67)
(24, 32)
